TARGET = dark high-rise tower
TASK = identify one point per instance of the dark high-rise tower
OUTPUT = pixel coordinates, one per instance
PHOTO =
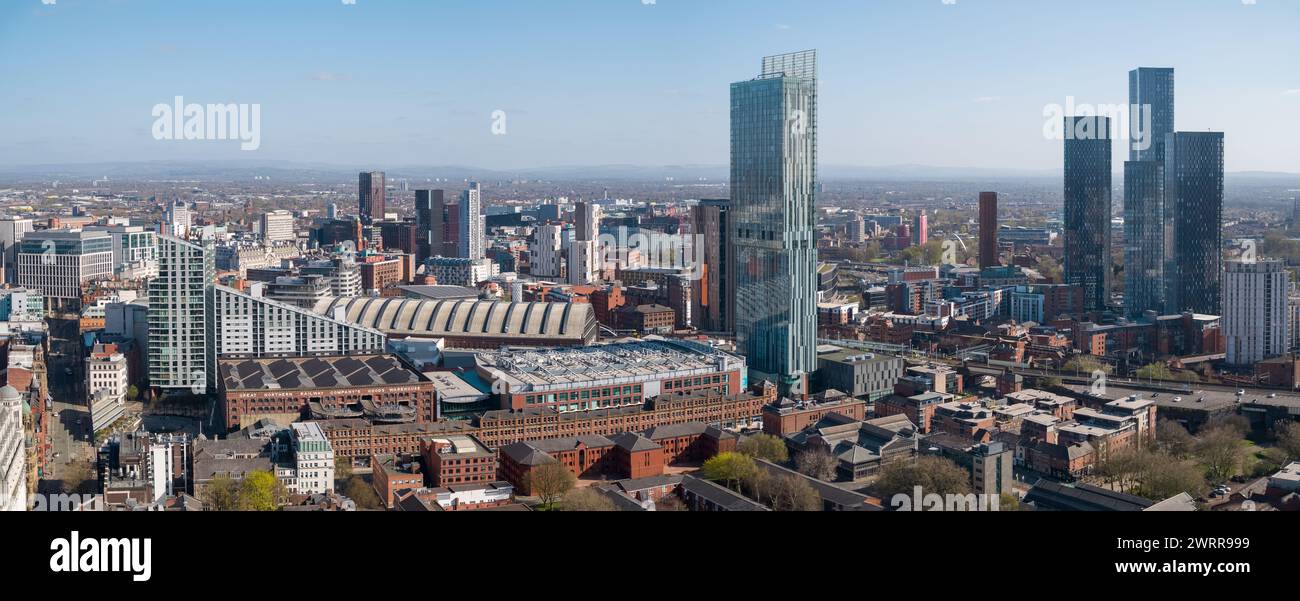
(711, 296)
(988, 230)
(773, 188)
(1087, 208)
(430, 221)
(1193, 217)
(371, 192)
(1151, 104)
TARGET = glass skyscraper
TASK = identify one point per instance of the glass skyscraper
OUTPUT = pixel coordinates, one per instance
(1087, 208)
(1151, 102)
(1193, 222)
(773, 184)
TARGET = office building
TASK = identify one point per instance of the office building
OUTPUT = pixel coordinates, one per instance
(58, 262)
(313, 460)
(177, 219)
(1088, 208)
(278, 226)
(1193, 222)
(371, 193)
(988, 230)
(1255, 310)
(179, 302)
(773, 188)
(106, 384)
(456, 271)
(12, 230)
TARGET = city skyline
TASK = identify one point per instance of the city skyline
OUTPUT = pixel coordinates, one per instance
(937, 103)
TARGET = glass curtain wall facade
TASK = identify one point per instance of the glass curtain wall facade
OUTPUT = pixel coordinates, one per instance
(773, 188)
(1088, 208)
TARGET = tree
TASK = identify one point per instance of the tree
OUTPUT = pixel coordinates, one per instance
(816, 462)
(1288, 439)
(1167, 476)
(792, 493)
(1173, 438)
(79, 478)
(132, 393)
(935, 475)
(362, 493)
(550, 481)
(1155, 371)
(728, 468)
(1008, 502)
(586, 499)
(1049, 268)
(221, 494)
(1086, 364)
(261, 491)
(764, 446)
(342, 468)
(671, 503)
(1219, 448)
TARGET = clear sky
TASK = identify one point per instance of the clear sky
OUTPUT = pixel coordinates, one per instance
(388, 83)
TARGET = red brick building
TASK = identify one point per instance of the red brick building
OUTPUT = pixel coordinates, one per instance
(392, 474)
(457, 460)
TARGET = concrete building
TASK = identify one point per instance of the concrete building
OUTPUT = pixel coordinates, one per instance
(458, 271)
(862, 375)
(546, 251)
(12, 230)
(313, 460)
(470, 213)
(278, 226)
(1255, 315)
(180, 301)
(252, 326)
(13, 452)
(107, 381)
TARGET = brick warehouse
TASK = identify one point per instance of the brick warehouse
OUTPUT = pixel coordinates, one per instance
(623, 456)
(358, 438)
(379, 387)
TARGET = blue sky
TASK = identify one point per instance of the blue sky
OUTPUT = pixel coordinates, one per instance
(387, 83)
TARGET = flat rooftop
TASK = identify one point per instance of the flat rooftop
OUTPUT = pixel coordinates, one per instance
(626, 361)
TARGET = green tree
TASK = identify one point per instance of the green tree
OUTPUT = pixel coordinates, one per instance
(1220, 449)
(586, 499)
(261, 491)
(764, 446)
(550, 481)
(362, 493)
(935, 475)
(1167, 476)
(1288, 439)
(1050, 269)
(221, 494)
(728, 468)
(132, 393)
(342, 468)
(1155, 371)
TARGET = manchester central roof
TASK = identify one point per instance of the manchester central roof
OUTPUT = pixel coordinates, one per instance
(563, 323)
(314, 373)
